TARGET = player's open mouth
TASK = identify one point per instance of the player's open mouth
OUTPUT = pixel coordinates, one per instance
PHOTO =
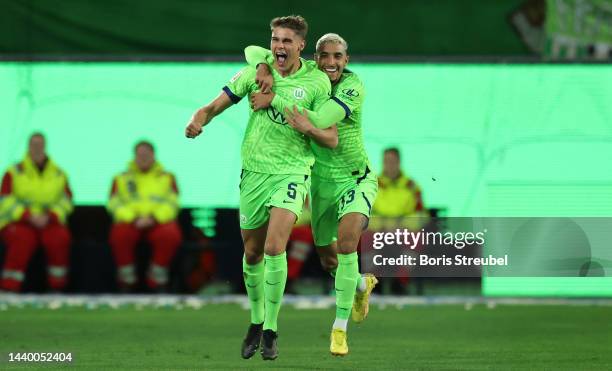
(281, 57)
(331, 69)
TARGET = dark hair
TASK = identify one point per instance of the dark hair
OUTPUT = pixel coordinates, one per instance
(393, 150)
(297, 23)
(145, 143)
(37, 134)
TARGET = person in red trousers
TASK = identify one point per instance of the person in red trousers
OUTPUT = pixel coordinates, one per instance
(144, 205)
(35, 200)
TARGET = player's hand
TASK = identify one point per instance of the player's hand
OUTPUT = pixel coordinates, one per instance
(39, 221)
(144, 222)
(260, 100)
(263, 78)
(298, 121)
(193, 129)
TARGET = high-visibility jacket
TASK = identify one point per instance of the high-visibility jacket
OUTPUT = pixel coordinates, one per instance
(397, 198)
(137, 194)
(26, 191)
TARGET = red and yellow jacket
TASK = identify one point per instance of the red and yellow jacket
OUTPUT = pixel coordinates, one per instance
(26, 191)
(397, 198)
(137, 194)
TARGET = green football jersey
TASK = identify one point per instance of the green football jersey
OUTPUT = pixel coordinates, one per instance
(270, 145)
(344, 108)
(349, 157)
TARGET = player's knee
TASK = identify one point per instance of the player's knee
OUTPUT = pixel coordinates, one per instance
(56, 236)
(276, 243)
(274, 247)
(329, 263)
(252, 257)
(170, 234)
(347, 242)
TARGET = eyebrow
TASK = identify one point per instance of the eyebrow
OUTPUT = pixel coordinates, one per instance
(286, 39)
(336, 54)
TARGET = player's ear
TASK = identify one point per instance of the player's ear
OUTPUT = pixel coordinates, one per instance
(347, 59)
(302, 45)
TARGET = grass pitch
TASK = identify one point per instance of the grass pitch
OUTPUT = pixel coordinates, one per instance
(419, 337)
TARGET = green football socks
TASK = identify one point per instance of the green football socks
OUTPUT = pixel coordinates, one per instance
(275, 278)
(361, 286)
(253, 281)
(346, 285)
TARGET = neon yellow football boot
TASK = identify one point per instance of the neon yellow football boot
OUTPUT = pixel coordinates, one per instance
(338, 346)
(361, 304)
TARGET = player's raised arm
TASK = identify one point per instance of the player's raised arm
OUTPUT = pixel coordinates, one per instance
(261, 59)
(204, 115)
(300, 122)
(329, 113)
(256, 55)
(239, 86)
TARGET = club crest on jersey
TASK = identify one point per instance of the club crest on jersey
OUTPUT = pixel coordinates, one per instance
(276, 116)
(299, 93)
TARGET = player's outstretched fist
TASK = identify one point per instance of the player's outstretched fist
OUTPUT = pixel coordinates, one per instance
(193, 129)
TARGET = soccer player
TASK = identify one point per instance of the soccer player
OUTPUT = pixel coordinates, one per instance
(343, 186)
(276, 163)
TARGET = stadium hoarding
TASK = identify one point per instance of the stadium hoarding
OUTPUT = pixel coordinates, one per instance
(526, 141)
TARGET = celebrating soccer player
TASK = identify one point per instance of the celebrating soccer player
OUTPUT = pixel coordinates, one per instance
(276, 162)
(343, 186)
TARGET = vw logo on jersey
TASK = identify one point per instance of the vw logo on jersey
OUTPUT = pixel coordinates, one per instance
(350, 92)
(276, 116)
(299, 93)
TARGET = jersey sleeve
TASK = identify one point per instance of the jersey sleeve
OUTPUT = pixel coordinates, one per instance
(63, 207)
(327, 112)
(327, 115)
(11, 208)
(323, 92)
(241, 84)
(167, 207)
(350, 97)
(122, 210)
(256, 55)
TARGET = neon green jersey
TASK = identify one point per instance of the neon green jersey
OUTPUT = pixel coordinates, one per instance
(349, 158)
(270, 145)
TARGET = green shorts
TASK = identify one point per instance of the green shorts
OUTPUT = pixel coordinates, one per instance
(331, 200)
(259, 192)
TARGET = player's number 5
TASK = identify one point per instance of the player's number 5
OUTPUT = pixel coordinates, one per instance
(292, 192)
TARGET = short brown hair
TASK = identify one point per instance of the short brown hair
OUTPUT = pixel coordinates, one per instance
(145, 143)
(297, 23)
(37, 134)
(393, 150)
